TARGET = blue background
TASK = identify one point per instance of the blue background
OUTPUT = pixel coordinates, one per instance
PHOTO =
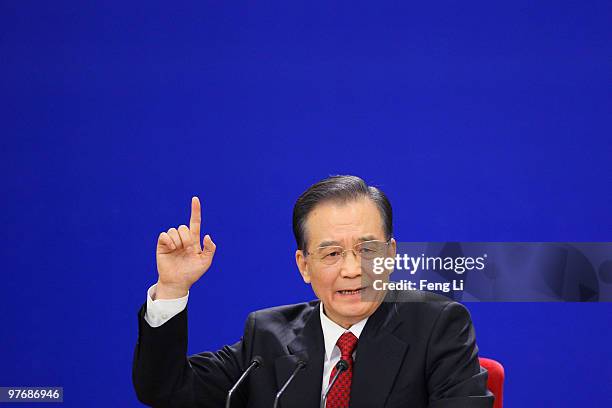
(482, 122)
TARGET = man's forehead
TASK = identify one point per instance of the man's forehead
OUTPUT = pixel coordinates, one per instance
(334, 223)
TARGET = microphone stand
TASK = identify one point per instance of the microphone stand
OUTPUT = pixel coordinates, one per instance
(300, 364)
(341, 366)
(257, 362)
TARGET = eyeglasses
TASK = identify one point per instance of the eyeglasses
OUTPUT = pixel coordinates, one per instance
(368, 250)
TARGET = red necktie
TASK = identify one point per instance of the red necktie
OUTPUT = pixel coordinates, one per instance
(340, 394)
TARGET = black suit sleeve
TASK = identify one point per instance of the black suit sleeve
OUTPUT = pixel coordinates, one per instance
(454, 376)
(164, 376)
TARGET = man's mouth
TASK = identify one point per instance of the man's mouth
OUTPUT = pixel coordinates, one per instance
(349, 292)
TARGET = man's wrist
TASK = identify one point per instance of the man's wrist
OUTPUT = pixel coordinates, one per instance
(163, 291)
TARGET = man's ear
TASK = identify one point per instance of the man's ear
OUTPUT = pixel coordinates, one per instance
(392, 251)
(392, 247)
(302, 264)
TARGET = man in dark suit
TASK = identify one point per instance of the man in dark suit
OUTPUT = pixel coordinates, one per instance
(400, 349)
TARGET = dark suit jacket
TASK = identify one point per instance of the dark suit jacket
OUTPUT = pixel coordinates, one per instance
(418, 351)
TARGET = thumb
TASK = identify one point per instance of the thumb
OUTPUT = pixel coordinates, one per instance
(208, 246)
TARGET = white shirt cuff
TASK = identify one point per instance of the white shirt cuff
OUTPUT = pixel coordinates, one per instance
(159, 311)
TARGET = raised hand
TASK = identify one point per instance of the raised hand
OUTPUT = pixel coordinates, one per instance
(181, 261)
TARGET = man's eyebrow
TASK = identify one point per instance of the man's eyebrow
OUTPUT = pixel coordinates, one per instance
(367, 238)
(329, 243)
(364, 238)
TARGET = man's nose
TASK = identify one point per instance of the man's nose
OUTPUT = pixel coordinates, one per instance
(351, 265)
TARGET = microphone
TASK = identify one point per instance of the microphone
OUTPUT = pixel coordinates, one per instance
(255, 363)
(300, 364)
(341, 366)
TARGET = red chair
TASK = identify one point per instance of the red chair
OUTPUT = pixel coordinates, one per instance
(495, 383)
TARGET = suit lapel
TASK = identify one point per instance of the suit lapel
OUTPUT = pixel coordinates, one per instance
(305, 389)
(379, 357)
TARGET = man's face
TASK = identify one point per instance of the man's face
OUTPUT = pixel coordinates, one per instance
(343, 225)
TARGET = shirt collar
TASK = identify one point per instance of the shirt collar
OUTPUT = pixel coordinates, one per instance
(332, 331)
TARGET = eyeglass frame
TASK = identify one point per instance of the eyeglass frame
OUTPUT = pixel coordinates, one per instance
(345, 250)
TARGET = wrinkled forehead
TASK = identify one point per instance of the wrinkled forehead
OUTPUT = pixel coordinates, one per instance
(343, 223)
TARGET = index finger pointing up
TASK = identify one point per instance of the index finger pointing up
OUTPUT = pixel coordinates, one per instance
(195, 220)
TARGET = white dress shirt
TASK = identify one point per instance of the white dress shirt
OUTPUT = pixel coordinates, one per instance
(331, 333)
(159, 311)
